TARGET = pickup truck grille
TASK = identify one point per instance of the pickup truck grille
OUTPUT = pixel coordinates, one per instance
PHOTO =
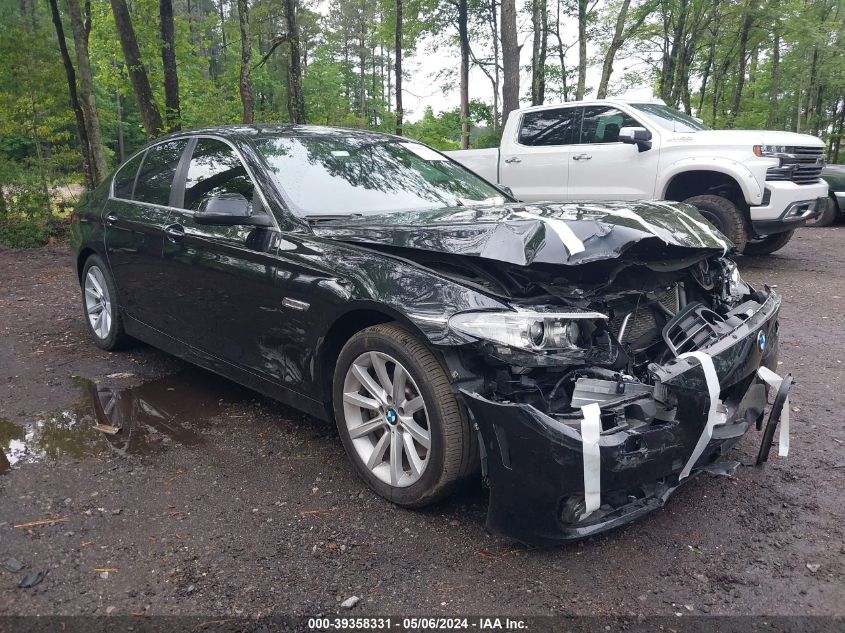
(803, 167)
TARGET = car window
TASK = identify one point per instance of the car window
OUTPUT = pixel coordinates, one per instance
(124, 180)
(601, 124)
(155, 177)
(548, 127)
(321, 174)
(215, 169)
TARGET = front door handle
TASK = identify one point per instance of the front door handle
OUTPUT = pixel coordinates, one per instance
(111, 217)
(175, 232)
(513, 159)
(581, 157)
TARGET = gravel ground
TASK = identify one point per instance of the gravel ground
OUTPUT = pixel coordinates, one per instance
(223, 502)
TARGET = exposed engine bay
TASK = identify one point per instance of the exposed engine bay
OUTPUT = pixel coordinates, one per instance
(683, 311)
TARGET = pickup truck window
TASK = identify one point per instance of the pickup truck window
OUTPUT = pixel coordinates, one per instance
(601, 124)
(548, 127)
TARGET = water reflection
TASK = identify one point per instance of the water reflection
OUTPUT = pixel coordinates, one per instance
(141, 419)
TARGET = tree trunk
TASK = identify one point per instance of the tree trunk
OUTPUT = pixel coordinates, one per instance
(612, 48)
(463, 38)
(85, 148)
(150, 116)
(362, 62)
(742, 59)
(708, 66)
(771, 120)
(494, 28)
(296, 102)
(540, 24)
(172, 113)
(510, 59)
(246, 60)
(121, 149)
(561, 53)
(81, 27)
(582, 49)
(398, 67)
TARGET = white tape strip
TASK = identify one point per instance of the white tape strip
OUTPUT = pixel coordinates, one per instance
(713, 415)
(774, 381)
(561, 228)
(590, 432)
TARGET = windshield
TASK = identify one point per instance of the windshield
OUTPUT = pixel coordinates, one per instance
(336, 175)
(669, 118)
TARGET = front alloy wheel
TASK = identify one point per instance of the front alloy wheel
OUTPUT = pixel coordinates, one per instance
(399, 418)
(386, 419)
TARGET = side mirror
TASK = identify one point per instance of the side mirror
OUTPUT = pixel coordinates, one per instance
(229, 209)
(506, 190)
(638, 136)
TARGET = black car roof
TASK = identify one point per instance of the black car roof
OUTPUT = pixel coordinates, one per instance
(277, 130)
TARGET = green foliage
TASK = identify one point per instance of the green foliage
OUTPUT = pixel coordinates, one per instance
(28, 220)
(347, 60)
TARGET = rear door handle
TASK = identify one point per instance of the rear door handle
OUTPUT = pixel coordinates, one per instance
(175, 232)
(513, 159)
(581, 157)
(111, 217)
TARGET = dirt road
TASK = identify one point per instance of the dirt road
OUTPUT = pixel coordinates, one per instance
(222, 502)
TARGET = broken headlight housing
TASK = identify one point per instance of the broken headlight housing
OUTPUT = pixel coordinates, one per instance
(527, 330)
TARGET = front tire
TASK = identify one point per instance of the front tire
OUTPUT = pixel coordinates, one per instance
(828, 215)
(398, 417)
(724, 215)
(768, 244)
(99, 305)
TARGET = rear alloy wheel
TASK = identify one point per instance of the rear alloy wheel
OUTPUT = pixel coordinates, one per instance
(828, 215)
(767, 244)
(724, 215)
(398, 417)
(98, 300)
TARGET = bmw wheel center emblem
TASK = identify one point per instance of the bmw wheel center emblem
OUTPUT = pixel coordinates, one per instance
(761, 340)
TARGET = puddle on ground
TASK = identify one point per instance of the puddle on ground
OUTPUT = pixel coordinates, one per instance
(140, 419)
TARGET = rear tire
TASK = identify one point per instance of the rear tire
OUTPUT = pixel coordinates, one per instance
(99, 305)
(828, 216)
(768, 244)
(382, 352)
(724, 215)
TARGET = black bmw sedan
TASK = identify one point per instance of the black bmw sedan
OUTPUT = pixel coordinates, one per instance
(584, 359)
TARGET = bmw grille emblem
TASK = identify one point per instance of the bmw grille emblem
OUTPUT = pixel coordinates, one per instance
(761, 340)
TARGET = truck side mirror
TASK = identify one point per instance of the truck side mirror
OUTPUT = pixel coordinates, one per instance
(638, 136)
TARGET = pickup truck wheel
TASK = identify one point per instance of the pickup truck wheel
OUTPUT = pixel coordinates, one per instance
(828, 215)
(398, 417)
(767, 244)
(723, 214)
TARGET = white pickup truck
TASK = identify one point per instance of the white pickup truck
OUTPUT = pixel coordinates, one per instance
(756, 187)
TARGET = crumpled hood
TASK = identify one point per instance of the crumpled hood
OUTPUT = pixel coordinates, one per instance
(522, 234)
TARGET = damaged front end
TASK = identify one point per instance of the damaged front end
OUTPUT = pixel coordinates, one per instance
(594, 400)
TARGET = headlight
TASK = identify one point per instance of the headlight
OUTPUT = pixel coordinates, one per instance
(773, 150)
(533, 331)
